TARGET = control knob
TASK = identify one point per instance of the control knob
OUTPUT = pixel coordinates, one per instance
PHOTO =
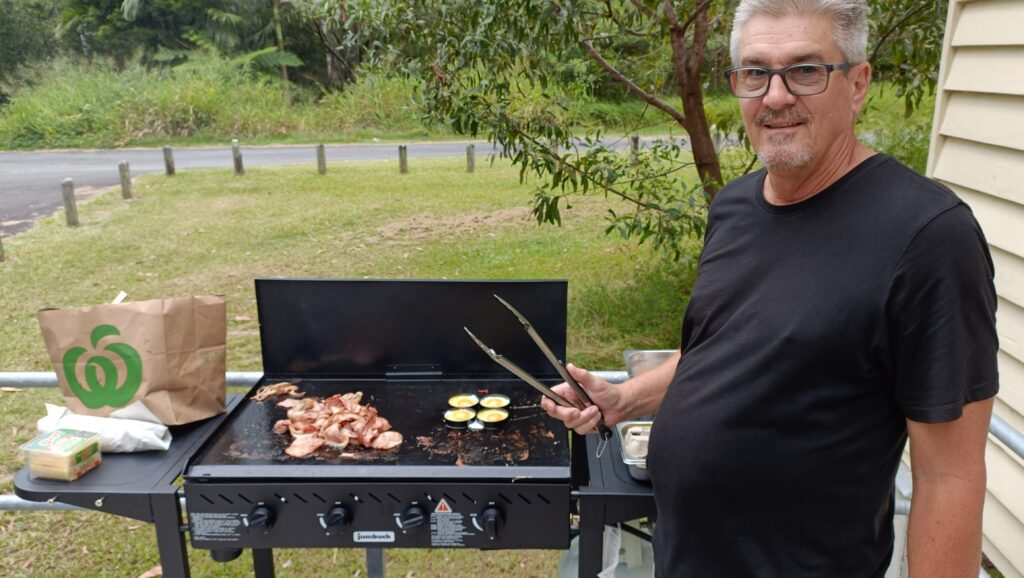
(492, 520)
(260, 519)
(414, 516)
(336, 517)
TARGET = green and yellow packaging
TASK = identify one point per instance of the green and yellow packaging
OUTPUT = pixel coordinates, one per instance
(63, 454)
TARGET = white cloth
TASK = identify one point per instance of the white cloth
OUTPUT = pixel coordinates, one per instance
(116, 434)
(612, 541)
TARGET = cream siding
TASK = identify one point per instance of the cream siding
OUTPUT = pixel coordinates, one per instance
(970, 114)
(978, 151)
(1003, 171)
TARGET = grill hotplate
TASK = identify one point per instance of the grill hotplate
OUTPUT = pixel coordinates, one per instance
(531, 446)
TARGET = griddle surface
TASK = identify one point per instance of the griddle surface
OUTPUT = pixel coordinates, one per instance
(532, 445)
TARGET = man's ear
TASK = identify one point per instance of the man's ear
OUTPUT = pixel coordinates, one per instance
(860, 79)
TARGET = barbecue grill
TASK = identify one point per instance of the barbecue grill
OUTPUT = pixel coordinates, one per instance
(402, 344)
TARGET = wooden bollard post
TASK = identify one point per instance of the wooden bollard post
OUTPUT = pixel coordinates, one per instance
(67, 189)
(471, 158)
(236, 154)
(403, 159)
(321, 159)
(634, 149)
(126, 180)
(169, 161)
(2, 249)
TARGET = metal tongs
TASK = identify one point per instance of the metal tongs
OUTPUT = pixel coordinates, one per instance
(602, 429)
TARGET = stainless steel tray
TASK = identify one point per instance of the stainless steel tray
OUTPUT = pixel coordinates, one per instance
(636, 462)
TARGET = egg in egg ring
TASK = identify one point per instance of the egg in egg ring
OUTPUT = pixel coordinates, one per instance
(458, 418)
(463, 400)
(495, 401)
(493, 418)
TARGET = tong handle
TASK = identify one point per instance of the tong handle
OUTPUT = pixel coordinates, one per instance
(603, 431)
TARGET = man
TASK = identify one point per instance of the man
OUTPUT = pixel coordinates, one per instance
(842, 303)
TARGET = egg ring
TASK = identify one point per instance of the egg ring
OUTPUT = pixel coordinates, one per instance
(493, 418)
(495, 401)
(458, 418)
(463, 400)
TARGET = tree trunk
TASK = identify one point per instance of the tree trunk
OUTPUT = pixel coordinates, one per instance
(687, 62)
(276, 4)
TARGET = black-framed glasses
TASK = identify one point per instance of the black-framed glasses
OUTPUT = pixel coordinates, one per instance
(802, 79)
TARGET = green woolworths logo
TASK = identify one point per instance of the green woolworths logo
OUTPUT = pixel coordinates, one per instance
(104, 386)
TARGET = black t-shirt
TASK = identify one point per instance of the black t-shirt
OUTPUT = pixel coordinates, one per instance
(813, 332)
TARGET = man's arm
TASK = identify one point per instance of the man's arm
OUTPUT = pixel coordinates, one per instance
(948, 466)
(638, 396)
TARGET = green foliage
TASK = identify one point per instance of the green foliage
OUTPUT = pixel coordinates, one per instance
(885, 127)
(498, 70)
(69, 105)
(376, 101)
(25, 35)
(906, 44)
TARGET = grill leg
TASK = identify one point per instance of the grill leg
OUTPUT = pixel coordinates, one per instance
(170, 541)
(263, 562)
(375, 563)
(591, 536)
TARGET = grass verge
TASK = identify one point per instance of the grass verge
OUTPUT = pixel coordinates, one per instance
(212, 232)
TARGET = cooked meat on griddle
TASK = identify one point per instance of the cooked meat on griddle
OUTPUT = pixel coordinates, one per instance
(335, 421)
(277, 389)
(304, 445)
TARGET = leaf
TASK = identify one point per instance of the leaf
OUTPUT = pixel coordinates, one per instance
(152, 572)
(277, 58)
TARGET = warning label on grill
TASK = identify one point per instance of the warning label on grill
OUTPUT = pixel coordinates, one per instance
(447, 527)
(216, 527)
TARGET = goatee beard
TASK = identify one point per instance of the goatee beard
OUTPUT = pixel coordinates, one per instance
(776, 154)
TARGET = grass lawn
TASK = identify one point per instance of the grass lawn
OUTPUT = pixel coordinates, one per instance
(212, 232)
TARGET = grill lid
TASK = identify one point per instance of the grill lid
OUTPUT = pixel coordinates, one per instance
(359, 328)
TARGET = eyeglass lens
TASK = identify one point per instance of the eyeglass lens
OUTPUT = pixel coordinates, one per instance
(801, 80)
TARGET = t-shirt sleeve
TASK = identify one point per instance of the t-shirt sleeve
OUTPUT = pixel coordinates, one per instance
(941, 317)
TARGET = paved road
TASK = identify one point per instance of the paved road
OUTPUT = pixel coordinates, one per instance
(30, 181)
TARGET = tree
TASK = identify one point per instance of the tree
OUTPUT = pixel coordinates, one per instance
(491, 68)
(26, 35)
(329, 20)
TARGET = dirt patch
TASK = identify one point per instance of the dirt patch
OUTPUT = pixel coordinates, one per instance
(418, 229)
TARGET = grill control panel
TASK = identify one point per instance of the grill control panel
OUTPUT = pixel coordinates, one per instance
(378, 515)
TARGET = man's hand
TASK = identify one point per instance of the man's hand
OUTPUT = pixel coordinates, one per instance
(606, 397)
(639, 396)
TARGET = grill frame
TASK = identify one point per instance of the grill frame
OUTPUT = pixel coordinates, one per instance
(414, 347)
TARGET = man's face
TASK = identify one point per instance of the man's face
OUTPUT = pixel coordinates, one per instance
(794, 133)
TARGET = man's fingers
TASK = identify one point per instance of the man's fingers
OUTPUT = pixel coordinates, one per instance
(573, 418)
(586, 421)
(592, 384)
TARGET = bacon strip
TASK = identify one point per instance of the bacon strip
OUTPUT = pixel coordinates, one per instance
(335, 421)
(277, 389)
(304, 445)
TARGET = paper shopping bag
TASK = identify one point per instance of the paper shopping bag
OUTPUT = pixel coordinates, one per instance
(167, 353)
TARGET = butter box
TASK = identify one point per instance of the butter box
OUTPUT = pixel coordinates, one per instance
(63, 454)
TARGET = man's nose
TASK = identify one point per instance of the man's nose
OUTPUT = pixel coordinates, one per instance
(778, 96)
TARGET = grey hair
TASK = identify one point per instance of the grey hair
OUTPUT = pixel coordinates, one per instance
(849, 17)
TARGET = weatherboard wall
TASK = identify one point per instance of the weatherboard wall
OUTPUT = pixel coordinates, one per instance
(977, 149)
